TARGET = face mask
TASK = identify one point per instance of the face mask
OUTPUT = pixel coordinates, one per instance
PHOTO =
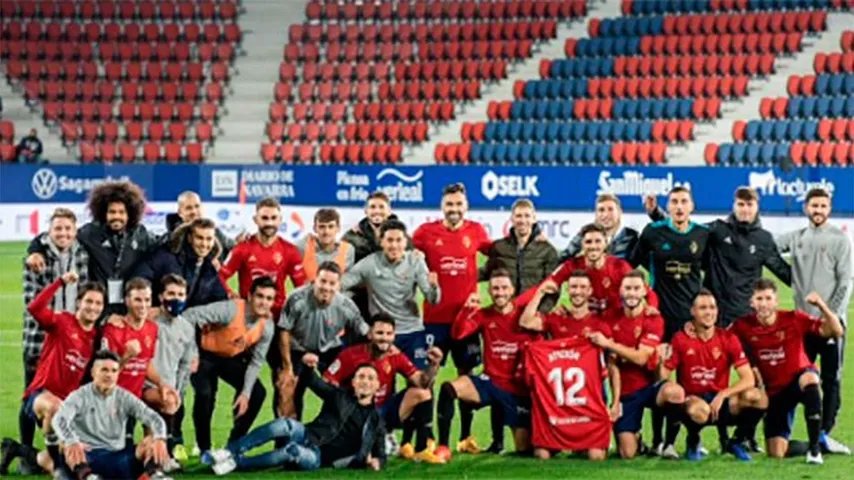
(175, 306)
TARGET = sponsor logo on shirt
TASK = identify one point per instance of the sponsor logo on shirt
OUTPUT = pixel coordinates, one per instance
(453, 266)
(703, 375)
(504, 350)
(772, 356)
(75, 360)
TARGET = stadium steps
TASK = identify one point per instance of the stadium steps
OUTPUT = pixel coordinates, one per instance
(747, 108)
(477, 111)
(16, 111)
(265, 29)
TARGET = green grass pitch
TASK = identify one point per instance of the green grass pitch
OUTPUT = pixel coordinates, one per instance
(462, 466)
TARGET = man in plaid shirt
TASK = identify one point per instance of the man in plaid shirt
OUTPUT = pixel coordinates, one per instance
(64, 254)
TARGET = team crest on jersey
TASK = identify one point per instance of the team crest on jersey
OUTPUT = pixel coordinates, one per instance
(694, 247)
(387, 367)
(277, 258)
(753, 249)
(690, 351)
(252, 259)
(466, 241)
(638, 331)
(781, 335)
(716, 353)
(606, 282)
(439, 242)
(148, 341)
(493, 325)
(585, 331)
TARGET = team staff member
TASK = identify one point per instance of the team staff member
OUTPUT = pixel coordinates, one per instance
(636, 334)
(116, 240)
(189, 209)
(192, 254)
(739, 248)
(64, 254)
(173, 357)
(821, 262)
(774, 340)
(323, 245)
(236, 335)
(450, 247)
(365, 238)
(621, 240)
(411, 409)
(392, 278)
(311, 328)
(91, 426)
(498, 387)
(702, 358)
(347, 433)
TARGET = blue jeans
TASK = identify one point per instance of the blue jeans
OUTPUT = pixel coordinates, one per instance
(298, 449)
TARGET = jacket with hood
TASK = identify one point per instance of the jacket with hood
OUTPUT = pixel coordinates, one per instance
(173, 221)
(178, 257)
(735, 256)
(528, 265)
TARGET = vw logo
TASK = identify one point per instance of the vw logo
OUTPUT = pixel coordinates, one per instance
(45, 184)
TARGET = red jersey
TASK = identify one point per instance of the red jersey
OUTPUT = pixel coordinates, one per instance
(503, 341)
(387, 366)
(558, 325)
(606, 281)
(67, 347)
(452, 254)
(115, 338)
(778, 350)
(702, 366)
(251, 259)
(568, 410)
(634, 332)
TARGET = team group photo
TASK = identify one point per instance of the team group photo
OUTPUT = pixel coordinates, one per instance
(426, 239)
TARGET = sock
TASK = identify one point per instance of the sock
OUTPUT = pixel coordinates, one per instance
(52, 446)
(496, 419)
(657, 425)
(408, 430)
(748, 419)
(422, 419)
(692, 439)
(723, 436)
(672, 413)
(812, 413)
(445, 412)
(466, 418)
(27, 428)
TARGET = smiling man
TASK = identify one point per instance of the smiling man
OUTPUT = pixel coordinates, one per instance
(621, 240)
(189, 209)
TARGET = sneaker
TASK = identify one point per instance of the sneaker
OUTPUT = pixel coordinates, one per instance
(220, 455)
(431, 444)
(669, 452)
(703, 451)
(814, 458)
(225, 467)
(468, 445)
(195, 452)
(830, 445)
(433, 458)
(739, 452)
(392, 446)
(694, 454)
(180, 453)
(753, 446)
(443, 452)
(172, 465)
(9, 451)
(206, 459)
(160, 476)
(407, 451)
(495, 448)
(656, 450)
(28, 464)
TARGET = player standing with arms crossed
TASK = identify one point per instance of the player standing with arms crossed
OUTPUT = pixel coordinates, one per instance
(450, 247)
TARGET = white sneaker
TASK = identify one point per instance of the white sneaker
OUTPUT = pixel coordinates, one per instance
(814, 459)
(195, 452)
(220, 455)
(834, 446)
(392, 446)
(670, 453)
(160, 476)
(222, 468)
(171, 465)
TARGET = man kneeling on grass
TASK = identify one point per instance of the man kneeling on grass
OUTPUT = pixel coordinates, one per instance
(91, 426)
(347, 433)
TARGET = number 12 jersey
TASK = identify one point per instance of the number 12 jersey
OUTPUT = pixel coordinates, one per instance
(568, 410)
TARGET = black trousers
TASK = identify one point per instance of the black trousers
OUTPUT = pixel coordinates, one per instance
(831, 352)
(205, 382)
(26, 425)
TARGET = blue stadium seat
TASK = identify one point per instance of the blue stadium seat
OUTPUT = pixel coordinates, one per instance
(619, 109)
(540, 131)
(554, 110)
(766, 130)
(810, 131)
(501, 129)
(541, 110)
(567, 109)
(766, 154)
(781, 130)
(516, 110)
(739, 152)
(577, 154)
(781, 153)
(579, 129)
(835, 86)
(794, 129)
(837, 106)
(489, 132)
(539, 154)
(526, 153)
(605, 131)
(531, 89)
(631, 131)
(513, 151)
(752, 154)
(630, 110)
(606, 67)
(658, 107)
(500, 153)
(822, 107)
(618, 131)
(565, 134)
(477, 153)
(551, 153)
(808, 106)
(822, 84)
(751, 131)
(564, 153)
(488, 153)
(685, 107)
(552, 132)
(724, 153)
(644, 109)
(590, 152)
(592, 132)
(644, 131)
(603, 154)
(848, 88)
(849, 107)
(514, 131)
(671, 108)
(527, 131)
(793, 109)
